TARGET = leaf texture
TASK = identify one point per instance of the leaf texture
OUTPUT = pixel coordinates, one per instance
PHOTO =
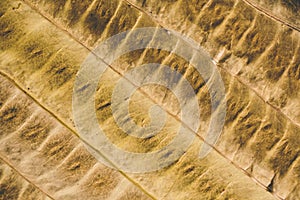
(43, 44)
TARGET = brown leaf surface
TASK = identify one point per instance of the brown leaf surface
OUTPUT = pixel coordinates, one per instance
(43, 44)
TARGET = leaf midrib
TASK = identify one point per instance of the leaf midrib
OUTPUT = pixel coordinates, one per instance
(52, 21)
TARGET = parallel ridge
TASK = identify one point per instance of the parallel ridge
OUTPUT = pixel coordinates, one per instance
(43, 61)
(54, 159)
(89, 26)
(235, 34)
(14, 186)
(286, 11)
(51, 158)
(240, 29)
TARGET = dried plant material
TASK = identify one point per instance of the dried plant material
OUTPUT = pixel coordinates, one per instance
(255, 46)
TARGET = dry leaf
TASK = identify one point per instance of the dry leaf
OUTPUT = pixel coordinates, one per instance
(255, 45)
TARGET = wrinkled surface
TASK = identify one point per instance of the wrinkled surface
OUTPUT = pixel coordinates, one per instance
(43, 44)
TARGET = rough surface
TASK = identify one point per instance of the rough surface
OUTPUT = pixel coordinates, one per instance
(42, 45)
(14, 186)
